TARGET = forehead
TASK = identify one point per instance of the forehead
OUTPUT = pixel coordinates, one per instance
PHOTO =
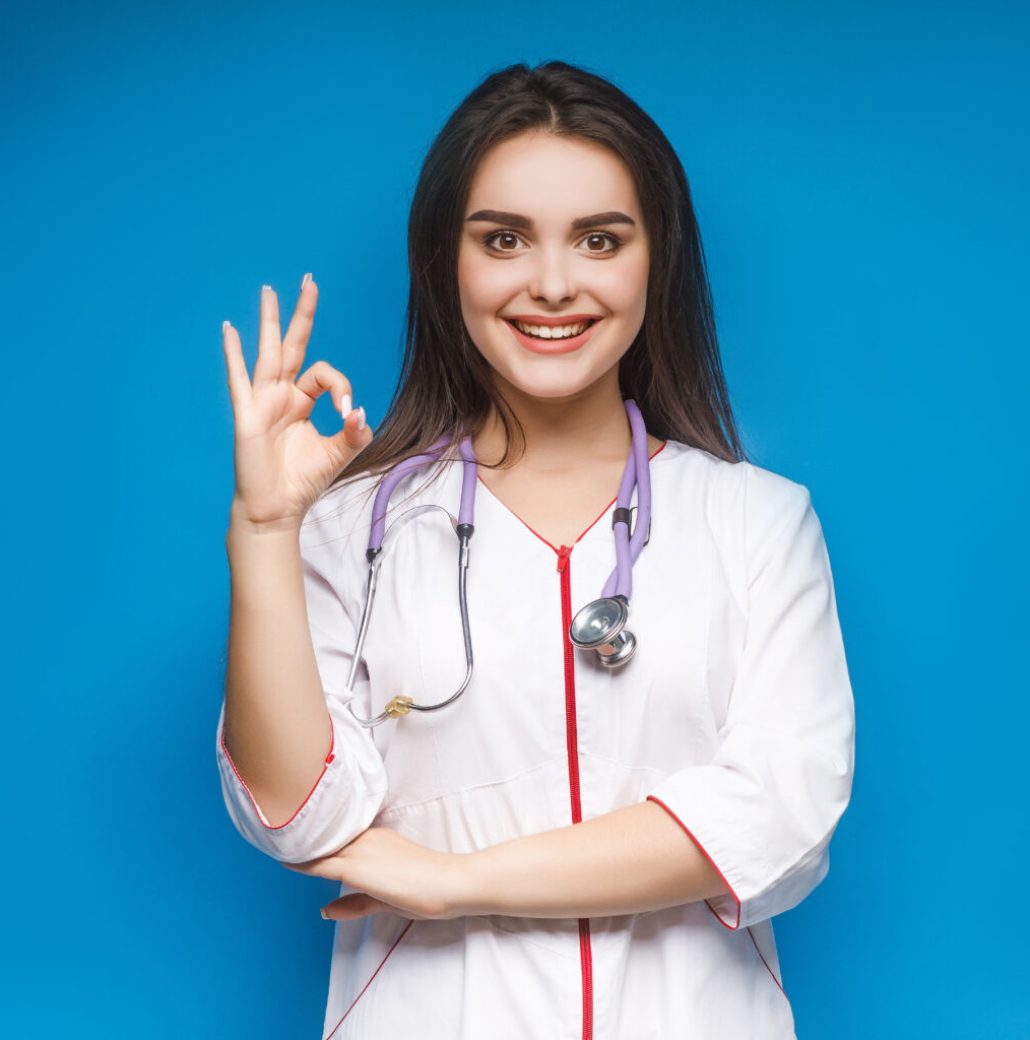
(547, 176)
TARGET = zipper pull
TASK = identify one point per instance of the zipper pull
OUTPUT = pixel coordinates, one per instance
(563, 557)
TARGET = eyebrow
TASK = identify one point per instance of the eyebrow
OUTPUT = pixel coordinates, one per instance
(516, 220)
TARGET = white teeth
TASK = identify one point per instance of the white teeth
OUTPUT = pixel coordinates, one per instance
(551, 332)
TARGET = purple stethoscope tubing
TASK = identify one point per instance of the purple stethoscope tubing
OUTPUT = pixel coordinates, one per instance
(466, 510)
(627, 546)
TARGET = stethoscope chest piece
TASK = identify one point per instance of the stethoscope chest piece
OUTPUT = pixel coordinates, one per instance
(600, 626)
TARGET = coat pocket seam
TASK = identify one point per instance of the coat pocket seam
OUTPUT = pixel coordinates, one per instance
(765, 963)
(364, 989)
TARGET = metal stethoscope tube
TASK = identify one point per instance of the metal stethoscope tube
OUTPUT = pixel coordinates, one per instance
(401, 705)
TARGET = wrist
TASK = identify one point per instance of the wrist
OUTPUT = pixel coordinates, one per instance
(240, 523)
(466, 896)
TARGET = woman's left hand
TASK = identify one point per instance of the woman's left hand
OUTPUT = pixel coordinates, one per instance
(393, 874)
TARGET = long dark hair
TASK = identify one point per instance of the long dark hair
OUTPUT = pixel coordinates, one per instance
(672, 370)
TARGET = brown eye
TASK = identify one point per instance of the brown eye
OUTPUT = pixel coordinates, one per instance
(600, 235)
(507, 235)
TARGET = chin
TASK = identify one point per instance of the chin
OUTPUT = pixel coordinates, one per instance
(555, 386)
(546, 376)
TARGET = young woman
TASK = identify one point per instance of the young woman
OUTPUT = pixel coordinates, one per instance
(587, 840)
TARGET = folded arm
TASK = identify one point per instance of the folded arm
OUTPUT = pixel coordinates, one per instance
(631, 860)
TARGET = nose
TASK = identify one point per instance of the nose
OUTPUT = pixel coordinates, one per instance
(551, 277)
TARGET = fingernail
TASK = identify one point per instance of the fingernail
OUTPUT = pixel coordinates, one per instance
(225, 325)
(307, 278)
(361, 418)
(345, 406)
(325, 916)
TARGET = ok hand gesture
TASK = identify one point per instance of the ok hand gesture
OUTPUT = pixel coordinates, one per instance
(282, 462)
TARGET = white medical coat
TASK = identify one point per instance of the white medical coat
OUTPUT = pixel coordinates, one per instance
(735, 715)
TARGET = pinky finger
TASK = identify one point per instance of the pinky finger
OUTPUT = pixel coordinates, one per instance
(236, 366)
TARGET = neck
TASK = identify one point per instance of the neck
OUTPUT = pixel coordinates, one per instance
(563, 433)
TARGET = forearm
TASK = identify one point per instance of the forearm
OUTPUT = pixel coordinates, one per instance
(627, 861)
(277, 727)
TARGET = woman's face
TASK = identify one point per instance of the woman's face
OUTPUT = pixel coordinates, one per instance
(527, 252)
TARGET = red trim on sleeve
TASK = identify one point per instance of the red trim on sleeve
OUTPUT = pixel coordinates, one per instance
(731, 927)
(257, 809)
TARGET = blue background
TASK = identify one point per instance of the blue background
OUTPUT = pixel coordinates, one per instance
(860, 174)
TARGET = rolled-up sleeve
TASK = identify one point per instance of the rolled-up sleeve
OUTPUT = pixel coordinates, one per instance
(352, 786)
(764, 809)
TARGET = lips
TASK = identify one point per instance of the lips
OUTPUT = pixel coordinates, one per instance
(553, 346)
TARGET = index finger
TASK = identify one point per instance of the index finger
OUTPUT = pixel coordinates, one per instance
(295, 342)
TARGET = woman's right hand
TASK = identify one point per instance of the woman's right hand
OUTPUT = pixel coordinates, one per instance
(282, 462)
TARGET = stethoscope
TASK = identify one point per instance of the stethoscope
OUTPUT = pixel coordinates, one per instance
(599, 626)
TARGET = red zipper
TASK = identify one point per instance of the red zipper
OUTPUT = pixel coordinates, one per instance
(585, 953)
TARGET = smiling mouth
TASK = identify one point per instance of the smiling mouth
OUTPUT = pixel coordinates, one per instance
(555, 334)
(554, 345)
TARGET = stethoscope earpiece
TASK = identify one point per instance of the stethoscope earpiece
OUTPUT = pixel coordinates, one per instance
(601, 626)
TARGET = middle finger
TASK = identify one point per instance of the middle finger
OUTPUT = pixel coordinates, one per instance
(269, 359)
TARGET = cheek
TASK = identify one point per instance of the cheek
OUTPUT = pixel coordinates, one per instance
(483, 288)
(623, 288)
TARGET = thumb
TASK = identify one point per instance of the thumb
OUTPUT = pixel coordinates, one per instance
(355, 435)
